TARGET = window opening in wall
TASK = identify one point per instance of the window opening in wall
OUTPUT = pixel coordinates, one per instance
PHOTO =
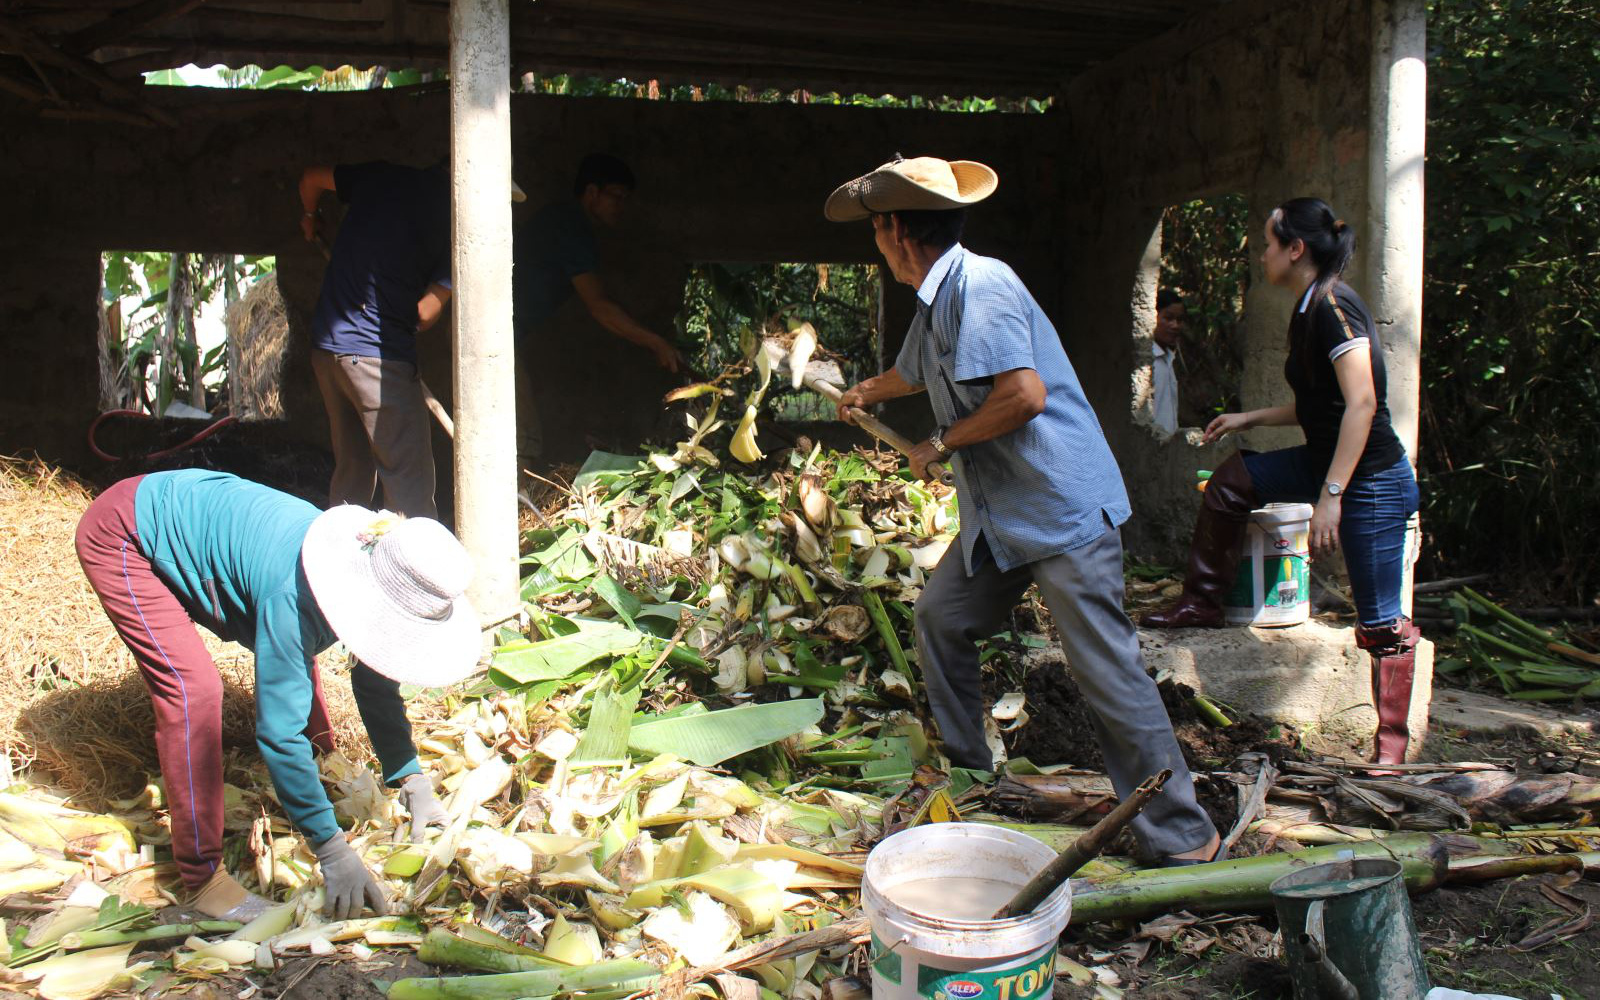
(723, 300)
(188, 334)
(253, 77)
(1198, 349)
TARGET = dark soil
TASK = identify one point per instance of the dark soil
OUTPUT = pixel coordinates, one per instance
(1061, 731)
(1466, 934)
(313, 979)
(1061, 728)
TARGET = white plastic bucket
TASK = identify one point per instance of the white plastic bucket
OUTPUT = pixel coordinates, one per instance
(918, 954)
(1272, 587)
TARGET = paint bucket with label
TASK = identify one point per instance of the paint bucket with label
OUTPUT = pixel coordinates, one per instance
(925, 891)
(1272, 587)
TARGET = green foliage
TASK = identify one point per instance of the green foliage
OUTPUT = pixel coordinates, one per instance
(152, 357)
(1511, 433)
(593, 86)
(1204, 257)
(840, 300)
(253, 77)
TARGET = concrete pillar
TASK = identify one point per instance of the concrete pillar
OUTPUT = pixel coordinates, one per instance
(485, 382)
(1393, 237)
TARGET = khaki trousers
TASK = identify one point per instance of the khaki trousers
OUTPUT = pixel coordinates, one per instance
(379, 426)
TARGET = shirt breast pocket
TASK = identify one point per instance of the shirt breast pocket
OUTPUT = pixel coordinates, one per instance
(964, 399)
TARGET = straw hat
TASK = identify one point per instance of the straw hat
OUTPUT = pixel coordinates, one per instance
(393, 590)
(922, 183)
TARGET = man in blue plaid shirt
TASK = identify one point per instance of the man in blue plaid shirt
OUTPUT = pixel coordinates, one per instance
(1040, 494)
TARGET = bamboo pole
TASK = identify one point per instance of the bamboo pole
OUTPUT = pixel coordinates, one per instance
(1066, 864)
(1241, 883)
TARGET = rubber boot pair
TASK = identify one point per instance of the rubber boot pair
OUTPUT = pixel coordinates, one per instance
(1229, 498)
(1393, 649)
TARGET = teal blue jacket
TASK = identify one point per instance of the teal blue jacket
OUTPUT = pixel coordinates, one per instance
(229, 549)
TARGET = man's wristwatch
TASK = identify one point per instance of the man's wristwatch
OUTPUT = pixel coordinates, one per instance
(937, 440)
(1333, 488)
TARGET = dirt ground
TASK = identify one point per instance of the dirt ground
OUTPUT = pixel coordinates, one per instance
(1467, 935)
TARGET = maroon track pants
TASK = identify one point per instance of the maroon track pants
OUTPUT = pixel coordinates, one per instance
(183, 680)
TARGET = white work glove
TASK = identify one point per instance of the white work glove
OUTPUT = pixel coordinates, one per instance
(416, 794)
(346, 882)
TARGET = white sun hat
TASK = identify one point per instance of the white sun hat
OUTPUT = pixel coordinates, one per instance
(393, 590)
(921, 183)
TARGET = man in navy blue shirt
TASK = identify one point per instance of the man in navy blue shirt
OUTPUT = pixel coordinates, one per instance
(388, 279)
(556, 255)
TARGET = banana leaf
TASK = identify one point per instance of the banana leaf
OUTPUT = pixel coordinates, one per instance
(712, 738)
(610, 718)
(562, 656)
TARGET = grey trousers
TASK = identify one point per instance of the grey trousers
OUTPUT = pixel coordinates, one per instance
(1083, 590)
(380, 430)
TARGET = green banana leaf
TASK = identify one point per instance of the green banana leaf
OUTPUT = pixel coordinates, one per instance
(712, 738)
(562, 656)
(605, 739)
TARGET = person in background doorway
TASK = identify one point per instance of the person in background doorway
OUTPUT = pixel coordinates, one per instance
(171, 549)
(1041, 496)
(556, 255)
(1171, 314)
(388, 279)
(1352, 466)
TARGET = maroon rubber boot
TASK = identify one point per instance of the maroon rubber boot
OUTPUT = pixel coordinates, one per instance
(1213, 554)
(1393, 649)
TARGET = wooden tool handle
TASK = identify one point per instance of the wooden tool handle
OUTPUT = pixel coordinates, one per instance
(437, 409)
(882, 431)
(1082, 850)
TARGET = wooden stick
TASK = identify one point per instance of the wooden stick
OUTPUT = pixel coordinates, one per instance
(26, 41)
(437, 409)
(26, 91)
(270, 19)
(776, 949)
(1437, 586)
(880, 430)
(1251, 805)
(1083, 850)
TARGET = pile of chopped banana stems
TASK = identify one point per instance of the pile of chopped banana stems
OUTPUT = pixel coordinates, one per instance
(685, 753)
(670, 776)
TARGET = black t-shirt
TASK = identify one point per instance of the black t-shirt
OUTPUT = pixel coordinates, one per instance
(1319, 332)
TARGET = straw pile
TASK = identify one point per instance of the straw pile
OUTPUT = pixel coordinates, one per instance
(258, 339)
(71, 699)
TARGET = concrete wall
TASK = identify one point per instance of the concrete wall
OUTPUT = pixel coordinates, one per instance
(718, 181)
(1263, 99)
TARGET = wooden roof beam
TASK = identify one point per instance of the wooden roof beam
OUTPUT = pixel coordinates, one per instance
(126, 21)
(27, 43)
(903, 24)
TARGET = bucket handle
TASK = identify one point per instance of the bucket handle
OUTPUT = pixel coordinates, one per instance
(1331, 983)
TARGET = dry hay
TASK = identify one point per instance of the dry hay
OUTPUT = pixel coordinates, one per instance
(74, 704)
(258, 340)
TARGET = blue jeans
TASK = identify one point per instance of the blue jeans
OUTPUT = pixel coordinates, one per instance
(1372, 526)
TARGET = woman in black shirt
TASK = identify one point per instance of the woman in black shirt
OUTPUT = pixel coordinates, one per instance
(1352, 466)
